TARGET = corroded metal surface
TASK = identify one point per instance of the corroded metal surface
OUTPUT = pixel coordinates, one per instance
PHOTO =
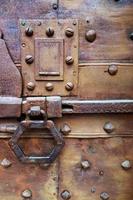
(10, 107)
(10, 78)
(105, 177)
(52, 59)
(19, 177)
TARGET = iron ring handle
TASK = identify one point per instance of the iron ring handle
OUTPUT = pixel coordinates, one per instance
(13, 142)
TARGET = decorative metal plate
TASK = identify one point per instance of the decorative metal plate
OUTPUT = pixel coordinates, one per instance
(46, 44)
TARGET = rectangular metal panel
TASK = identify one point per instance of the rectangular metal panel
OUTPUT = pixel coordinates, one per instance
(95, 82)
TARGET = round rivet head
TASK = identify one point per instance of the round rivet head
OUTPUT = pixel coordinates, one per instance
(69, 32)
(26, 193)
(49, 87)
(69, 86)
(108, 127)
(85, 164)
(104, 196)
(69, 60)
(126, 164)
(65, 129)
(30, 86)
(66, 195)
(90, 35)
(29, 59)
(6, 163)
(49, 31)
(131, 36)
(112, 70)
(29, 31)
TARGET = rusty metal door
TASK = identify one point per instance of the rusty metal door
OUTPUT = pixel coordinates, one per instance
(66, 100)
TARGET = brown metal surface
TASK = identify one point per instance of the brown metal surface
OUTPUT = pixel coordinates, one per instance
(105, 174)
(19, 177)
(48, 71)
(10, 78)
(10, 107)
(112, 22)
(96, 83)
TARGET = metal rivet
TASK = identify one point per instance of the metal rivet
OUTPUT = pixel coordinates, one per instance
(29, 59)
(39, 23)
(69, 86)
(93, 189)
(108, 127)
(23, 23)
(29, 31)
(69, 32)
(26, 193)
(55, 6)
(23, 44)
(126, 164)
(69, 60)
(85, 164)
(74, 23)
(6, 163)
(113, 69)
(49, 32)
(131, 36)
(104, 196)
(66, 195)
(49, 86)
(101, 173)
(30, 86)
(90, 35)
(65, 129)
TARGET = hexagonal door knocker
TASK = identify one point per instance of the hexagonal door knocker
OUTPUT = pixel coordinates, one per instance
(13, 142)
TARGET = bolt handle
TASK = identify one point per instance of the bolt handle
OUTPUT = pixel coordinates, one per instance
(48, 159)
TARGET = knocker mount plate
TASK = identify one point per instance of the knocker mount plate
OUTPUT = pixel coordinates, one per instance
(49, 57)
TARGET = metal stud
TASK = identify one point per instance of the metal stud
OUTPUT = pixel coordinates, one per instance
(126, 164)
(112, 70)
(69, 86)
(69, 32)
(29, 59)
(90, 35)
(104, 196)
(30, 86)
(29, 31)
(26, 193)
(108, 127)
(6, 163)
(55, 6)
(49, 87)
(85, 164)
(65, 129)
(131, 36)
(69, 60)
(49, 31)
(66, 195)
